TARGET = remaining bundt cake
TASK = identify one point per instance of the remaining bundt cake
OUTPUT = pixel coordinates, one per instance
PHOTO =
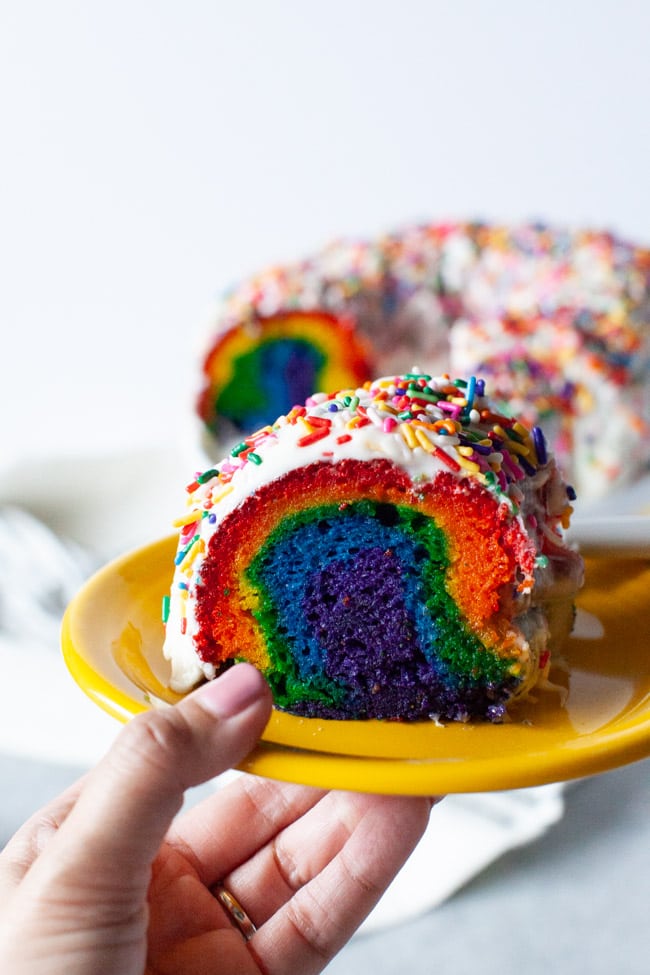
(390, 551)
(556, 320)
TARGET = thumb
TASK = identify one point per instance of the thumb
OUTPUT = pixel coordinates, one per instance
(129, 800)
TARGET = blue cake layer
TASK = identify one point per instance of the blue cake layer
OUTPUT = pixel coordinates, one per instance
(268, 380)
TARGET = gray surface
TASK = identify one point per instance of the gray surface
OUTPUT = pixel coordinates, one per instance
(575, 901)
(25, 786)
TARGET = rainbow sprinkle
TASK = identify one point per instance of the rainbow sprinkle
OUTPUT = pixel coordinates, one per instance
(449, 419)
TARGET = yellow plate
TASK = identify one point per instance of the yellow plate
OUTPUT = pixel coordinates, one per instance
(112, 638)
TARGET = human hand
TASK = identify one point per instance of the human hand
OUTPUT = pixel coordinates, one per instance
(105, 879)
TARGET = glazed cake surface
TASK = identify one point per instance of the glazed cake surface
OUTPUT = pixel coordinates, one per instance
(389, 551)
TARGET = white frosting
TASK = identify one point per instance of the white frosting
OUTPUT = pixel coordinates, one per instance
(601, 425)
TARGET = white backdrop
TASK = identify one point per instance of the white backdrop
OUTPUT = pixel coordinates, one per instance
(154, 152)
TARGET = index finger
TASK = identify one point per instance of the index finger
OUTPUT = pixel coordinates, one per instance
(321, 917)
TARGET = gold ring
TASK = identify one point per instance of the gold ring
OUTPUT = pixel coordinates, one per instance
(236, 912)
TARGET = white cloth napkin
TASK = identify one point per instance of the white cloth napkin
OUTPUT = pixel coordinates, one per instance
(465, 834)
(91, 509)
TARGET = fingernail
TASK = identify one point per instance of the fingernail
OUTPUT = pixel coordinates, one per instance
(233, 692)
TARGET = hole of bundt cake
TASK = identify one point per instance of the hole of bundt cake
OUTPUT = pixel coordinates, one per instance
(387, 514)
(419, 553)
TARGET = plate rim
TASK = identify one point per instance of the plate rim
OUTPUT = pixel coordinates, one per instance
(626, 740)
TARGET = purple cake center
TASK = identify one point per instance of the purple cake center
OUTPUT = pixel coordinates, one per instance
(358, 615)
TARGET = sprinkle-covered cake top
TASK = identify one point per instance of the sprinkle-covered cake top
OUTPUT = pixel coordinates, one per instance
(420, 423)
(556, 318)
(528, 269)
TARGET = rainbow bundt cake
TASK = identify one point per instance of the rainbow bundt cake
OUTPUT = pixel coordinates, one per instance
(461, 298)
(391, 551)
